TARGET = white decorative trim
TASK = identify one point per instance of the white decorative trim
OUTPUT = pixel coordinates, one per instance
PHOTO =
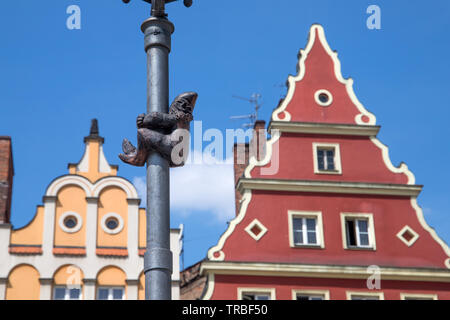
(253, 162)
(210, 289)
(379, 295)
(270, 291)
(410, 230)
(319, 228)
(117, 182)
(247, 196)
(370, 228)
(321, 271)
(337, 70)
(430, 230)
(91, 190)
(320, 103)
(119, 220)
(403, 168)
(103, 165)
(418, 296)
(325, 128)
(61, 182)
(328, 187)
(83, 165)
(337, 157)
(324, 293)
(257, 223)
(70, 214)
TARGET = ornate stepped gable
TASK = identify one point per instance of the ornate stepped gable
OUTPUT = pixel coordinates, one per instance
(321, 109)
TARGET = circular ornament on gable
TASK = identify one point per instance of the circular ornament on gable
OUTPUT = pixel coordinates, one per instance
(112, 223)
(323, 98)
(70, 222)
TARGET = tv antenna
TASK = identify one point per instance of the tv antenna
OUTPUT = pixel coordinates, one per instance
(253, 117)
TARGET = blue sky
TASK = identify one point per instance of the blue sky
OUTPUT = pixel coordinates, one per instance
(54, 80)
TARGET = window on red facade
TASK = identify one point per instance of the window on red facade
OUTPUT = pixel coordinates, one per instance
(304, 297)
(357, 231)
(305, 231)
(250, 296)
(326, 159)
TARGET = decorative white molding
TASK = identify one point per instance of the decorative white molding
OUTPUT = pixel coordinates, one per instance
(403, 168)
(91, 190)
(431, 231)
(324, 128)
(103, 165)
(322, 271)
(262, 228)
(328, 187)
(414, 234)
(83, 165)
(247, 196)
(210, 289)
(78, 219)
(116, 216)
(319, 102)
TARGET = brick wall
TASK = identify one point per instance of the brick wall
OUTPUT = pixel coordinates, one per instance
(242, 153)
(6, 178)
(192, 283)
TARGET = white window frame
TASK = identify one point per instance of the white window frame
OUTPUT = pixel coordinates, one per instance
(266, 291)
(405, 296)
(319, 228)
(116, 216)
(371, 229)
(67, 292)
(66, 215)
(350, 294)
(110, 291)
(324, 293)
(337, 157)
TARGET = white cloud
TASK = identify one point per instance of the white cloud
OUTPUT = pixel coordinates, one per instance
(206, 187)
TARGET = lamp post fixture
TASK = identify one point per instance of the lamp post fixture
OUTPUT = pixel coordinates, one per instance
(158, 135)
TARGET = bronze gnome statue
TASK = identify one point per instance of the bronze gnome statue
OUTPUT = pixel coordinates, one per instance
(165, 133)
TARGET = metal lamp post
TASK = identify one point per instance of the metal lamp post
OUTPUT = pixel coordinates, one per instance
(153, 127)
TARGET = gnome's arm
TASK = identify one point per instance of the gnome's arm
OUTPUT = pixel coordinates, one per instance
(156, 120)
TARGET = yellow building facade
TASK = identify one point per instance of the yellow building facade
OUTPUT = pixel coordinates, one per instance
(87, 241)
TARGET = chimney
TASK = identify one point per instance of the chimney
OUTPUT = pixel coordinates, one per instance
(242, 153)
(241, 157)
(258, 143)
(6, 179)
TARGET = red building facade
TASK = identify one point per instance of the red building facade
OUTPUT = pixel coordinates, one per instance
(324, 214)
